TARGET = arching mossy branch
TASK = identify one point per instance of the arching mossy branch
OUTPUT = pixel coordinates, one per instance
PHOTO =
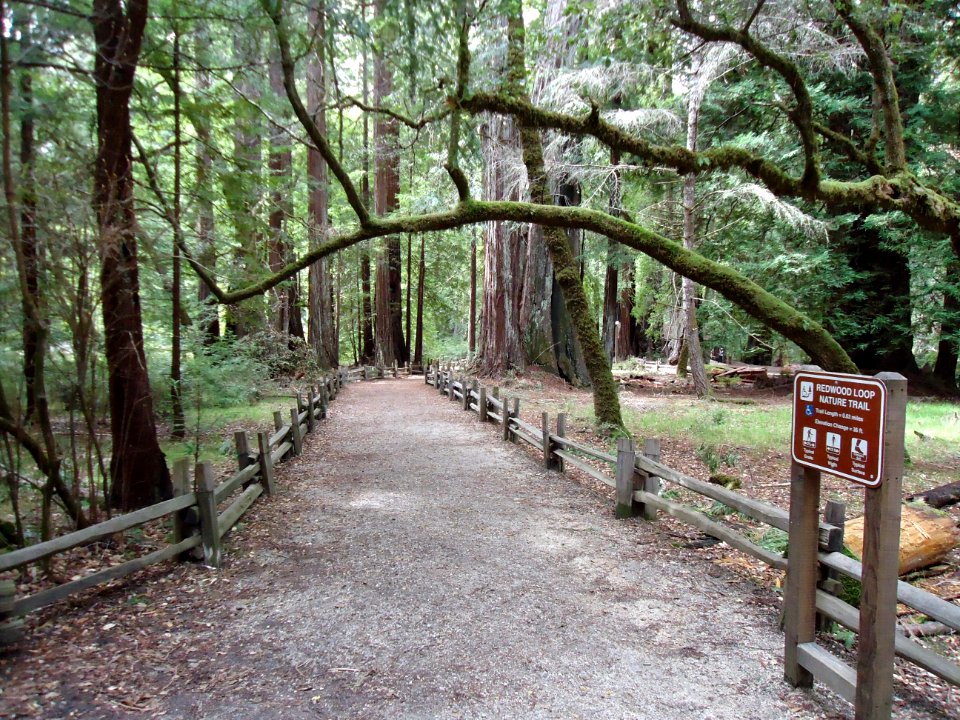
(743, 292)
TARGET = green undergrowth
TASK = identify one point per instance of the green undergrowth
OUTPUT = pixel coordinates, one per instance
(210, 433)
(932, 436)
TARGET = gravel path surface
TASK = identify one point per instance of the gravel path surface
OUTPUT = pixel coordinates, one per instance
(419, 567)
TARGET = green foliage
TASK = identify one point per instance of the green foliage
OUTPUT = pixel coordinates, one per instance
(715, 457)
(772, 539)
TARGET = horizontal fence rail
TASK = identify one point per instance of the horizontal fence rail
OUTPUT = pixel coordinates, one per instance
(638, 478)
(198, 524)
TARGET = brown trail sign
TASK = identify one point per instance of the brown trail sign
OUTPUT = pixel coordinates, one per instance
(853, 427)
(838, 425)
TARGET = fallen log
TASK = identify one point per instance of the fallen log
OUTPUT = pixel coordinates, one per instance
(926, 536)
(940, 497)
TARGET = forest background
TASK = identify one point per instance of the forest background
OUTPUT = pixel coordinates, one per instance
(200, 196)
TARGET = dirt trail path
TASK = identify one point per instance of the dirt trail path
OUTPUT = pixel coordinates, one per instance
(414, 566)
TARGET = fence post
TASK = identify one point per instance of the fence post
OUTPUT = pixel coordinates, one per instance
(549, 462)
(209, 528)
(881, 557)
(266, 463)
(295, 436)
(311, 409)
(277, 421)
(465, 393)
(515, 414)
(835, 513)
(651, 483)
(626, 458)
(561, 432)
(323, 398)
(11, 628)
(299, 402)
(482, 405)
(181, 486)
(450, 382)
(800, 594)
(505, 417)
(242, 442)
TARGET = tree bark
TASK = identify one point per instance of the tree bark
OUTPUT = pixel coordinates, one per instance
(548, 336)
(137, 467)
(206, 222)
(322, 335)
(421, 284)
(605, 401)
(242, 189)
(388, 291)
(281, 162)
(945, 368)
(472, 320)
(610, 309)
(32, 253)
(500, 346)
(178, 425)
(689, 289)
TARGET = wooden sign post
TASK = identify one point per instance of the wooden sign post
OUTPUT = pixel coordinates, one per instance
(852, 427)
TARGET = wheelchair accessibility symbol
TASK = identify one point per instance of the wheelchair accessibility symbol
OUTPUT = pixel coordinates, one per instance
(808, 411)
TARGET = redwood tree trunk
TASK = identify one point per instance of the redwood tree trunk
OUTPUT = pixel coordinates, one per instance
(500, 346)
(28, 211)
(137, 466)
(472, 321)
(280, 208)
(322, 334)
(549, 338)
(206, 223)
(421, 284)
(386, 135)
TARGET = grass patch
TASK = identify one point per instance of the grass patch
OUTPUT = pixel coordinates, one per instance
(752, 426)
(933, 428)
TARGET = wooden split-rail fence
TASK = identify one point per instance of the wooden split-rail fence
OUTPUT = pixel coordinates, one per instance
(638, 478)
(201, 512)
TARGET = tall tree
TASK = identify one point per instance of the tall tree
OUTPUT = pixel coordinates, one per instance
(549, 337)
(281, 208)
(322, 332)
(137, 466)
(504, 251)
(421, 283)
(203, 175)
(32, 255)
(242, 187)
(367, 345)
(178, 425)
(390, 346)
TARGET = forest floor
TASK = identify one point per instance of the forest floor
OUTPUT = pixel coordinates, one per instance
(412, 565)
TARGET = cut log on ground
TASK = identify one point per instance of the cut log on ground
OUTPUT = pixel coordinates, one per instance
(926, 536)
(940, 497)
